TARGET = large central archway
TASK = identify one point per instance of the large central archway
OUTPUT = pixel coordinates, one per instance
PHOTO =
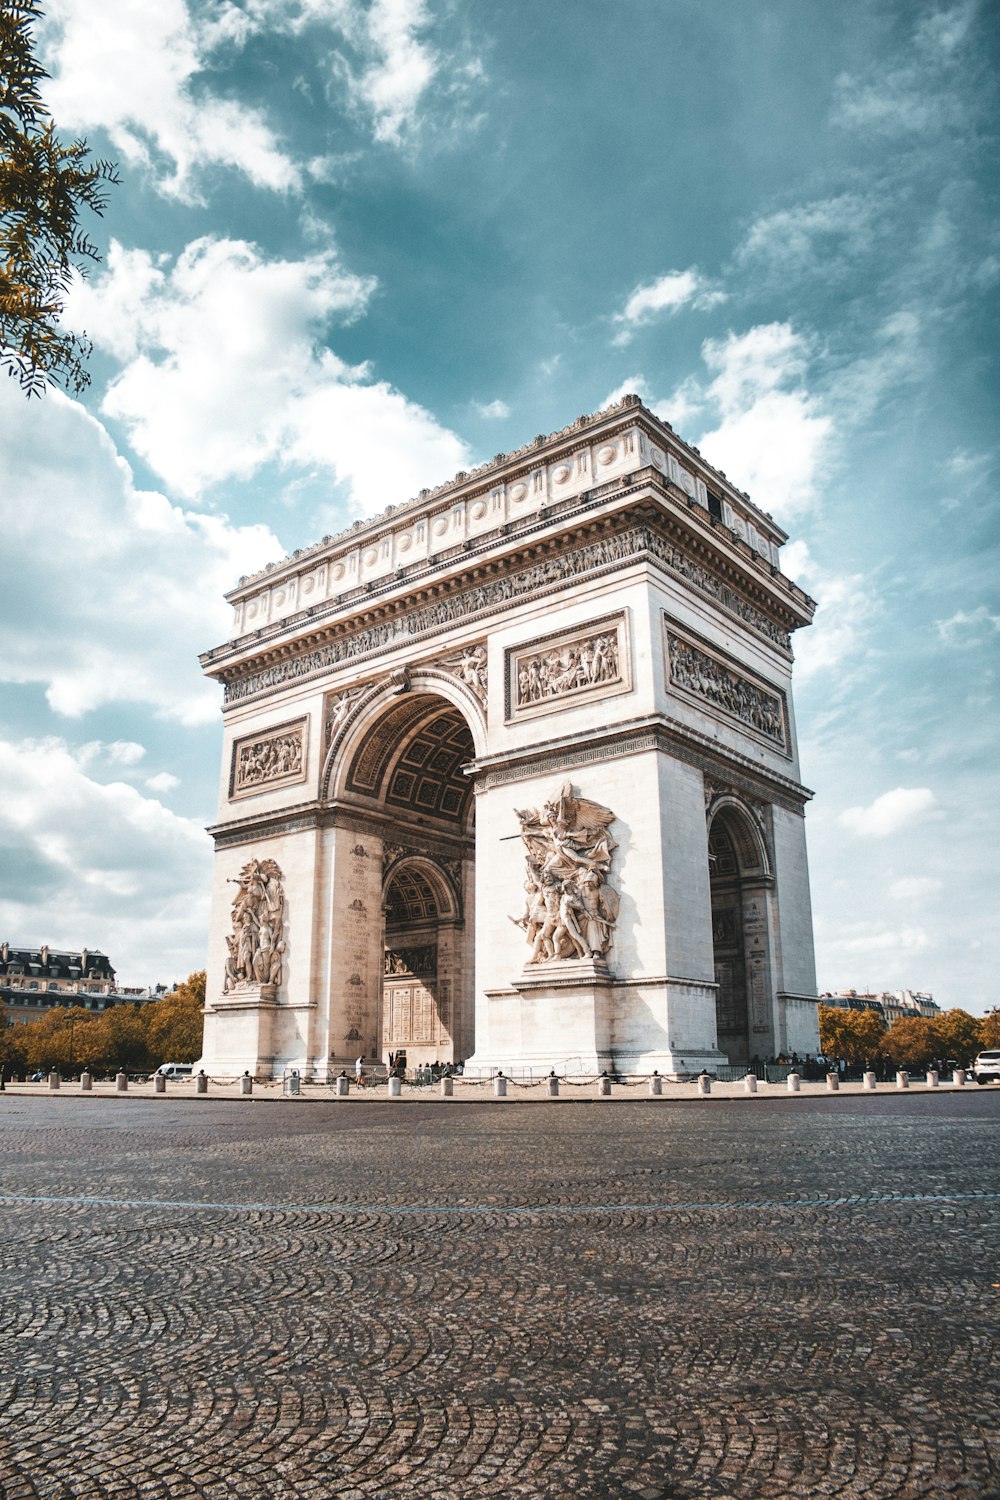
(405, 761)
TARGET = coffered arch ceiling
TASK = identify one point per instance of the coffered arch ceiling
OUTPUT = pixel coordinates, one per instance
(412, 759)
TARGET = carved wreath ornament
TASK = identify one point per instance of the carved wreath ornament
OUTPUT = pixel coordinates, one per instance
(570, 909)
(255, 945)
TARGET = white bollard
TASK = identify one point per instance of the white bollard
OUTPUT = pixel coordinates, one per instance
(54, 1080)
(395, 1087)
(604, 1086)
(933, 1078)
(447, 1087)
(656, 1084)
(159, 1084)
(86, 1082)
(704, 1083)
(343, 1087)
(902, 1080)
(794, 1083)
(832, 1083)
(868, 1080)
(246, 1085)
(750, 1083)
(958, 1076)
(201, 1084)
(121, 1083)
(500, 1087)
(552, 1086)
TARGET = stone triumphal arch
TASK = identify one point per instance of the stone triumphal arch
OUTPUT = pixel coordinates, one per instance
(510, 777)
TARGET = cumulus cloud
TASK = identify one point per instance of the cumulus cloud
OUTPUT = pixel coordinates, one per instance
(491, 411)
(666, 295)
(136, 71)
(110, 591)
(99, 865)
(773, 433)
(846, 607)
(225, 370)
(892, 813)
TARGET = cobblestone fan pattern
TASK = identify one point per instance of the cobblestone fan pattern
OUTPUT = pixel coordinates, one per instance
(432, 1338)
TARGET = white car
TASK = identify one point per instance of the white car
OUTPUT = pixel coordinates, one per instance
(986, 1068)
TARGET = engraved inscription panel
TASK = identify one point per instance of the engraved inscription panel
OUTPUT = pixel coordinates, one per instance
(272, 758)
(706, 676)
(558, 670)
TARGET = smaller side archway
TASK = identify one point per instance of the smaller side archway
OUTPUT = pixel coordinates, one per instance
(423, 1013)
(742, 889)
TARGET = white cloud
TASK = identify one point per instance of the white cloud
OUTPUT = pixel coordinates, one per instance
(226, 371)
(667, 294)
(802, 237)
(99, 865)
(919, 96)
(401, 69)
(131, 70)
(968, 627)
(491, 411)
(915, 889)
(632, 385)
(892, 813)
(163, 781)
(846, 606)
(109, 592)
(774, 439)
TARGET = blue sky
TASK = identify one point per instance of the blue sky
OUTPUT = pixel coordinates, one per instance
(359, 246)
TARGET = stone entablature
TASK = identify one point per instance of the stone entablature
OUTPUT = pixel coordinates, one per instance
(249, 669)
(507, 496)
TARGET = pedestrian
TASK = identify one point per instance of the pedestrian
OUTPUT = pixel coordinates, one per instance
(359, 1069)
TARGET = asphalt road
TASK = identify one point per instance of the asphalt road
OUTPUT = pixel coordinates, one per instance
(796, 1297)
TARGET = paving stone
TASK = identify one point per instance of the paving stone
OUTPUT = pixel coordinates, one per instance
(658, 1302)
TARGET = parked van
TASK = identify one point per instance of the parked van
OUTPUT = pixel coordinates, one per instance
(175, 1070)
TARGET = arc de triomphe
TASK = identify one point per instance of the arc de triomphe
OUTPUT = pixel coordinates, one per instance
(510, 776)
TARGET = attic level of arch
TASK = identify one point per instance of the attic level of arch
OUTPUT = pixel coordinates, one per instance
(769, 603)
(602, 427)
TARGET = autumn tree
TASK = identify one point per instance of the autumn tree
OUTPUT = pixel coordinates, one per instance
(959, 1035)
(989, 1030)
(913, 1042)
(122, 1038)
(45, 187)
(856, 1037)
(62, 1041)
(174, 1023)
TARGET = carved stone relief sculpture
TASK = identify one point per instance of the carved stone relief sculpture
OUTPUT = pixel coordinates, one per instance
(470, 666)
(702, 675)
(556, 670)
(268, 760)
(570, 909)
(256, 943)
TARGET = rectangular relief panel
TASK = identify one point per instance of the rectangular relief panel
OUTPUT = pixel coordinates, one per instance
(716, 683)
(568, 667)
(268, 759)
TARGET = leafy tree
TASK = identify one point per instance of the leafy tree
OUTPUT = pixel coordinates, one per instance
(44, 188)
(122, 1038)
(63, 1040)
(856, 1037)
(174, 1024)
(959, 1035)
(913, 1042)
(989, 1030)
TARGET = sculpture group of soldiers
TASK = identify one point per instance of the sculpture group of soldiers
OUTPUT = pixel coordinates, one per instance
(256, 945)
(700, 674)
(570, 909)
(276, 757)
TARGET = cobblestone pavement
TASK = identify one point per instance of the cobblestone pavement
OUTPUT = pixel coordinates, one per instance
(248, 1299)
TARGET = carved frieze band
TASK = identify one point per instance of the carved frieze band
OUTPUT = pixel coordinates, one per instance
(558, 670)
(535, 581)
(268, 759)
(405, 962)
(705, 675)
